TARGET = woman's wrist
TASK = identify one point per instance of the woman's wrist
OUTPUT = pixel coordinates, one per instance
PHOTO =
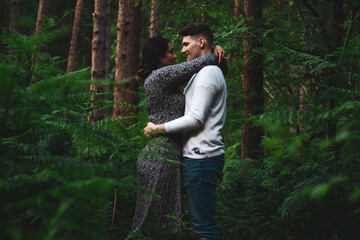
(160, 128)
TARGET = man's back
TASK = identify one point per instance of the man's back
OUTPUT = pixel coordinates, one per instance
(206, 102)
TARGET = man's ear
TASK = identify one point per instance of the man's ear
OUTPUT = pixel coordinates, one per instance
(202, 42)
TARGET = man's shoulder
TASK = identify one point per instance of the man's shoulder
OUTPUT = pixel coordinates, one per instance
(211, 69)
(210, 72)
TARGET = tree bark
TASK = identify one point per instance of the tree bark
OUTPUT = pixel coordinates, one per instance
(2, 15)
(127, 56)
(108, 41)
(74, 37)
(302, 103)
(99, 59)
(3, 25)
(337, 20)
(15, 14)
(252, 82)
(44, 10)
(237, 9)
(237, 14)
(154, 19)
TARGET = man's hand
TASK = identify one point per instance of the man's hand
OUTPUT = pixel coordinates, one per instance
(151, 129)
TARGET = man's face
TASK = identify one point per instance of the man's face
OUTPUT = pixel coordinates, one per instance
(191, 47)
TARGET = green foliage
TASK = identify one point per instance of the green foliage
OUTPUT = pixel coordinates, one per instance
(60, 175)
(307, 186)
(302, 189)
(58, 172)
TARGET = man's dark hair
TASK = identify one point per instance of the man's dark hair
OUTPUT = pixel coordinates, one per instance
(197, 29)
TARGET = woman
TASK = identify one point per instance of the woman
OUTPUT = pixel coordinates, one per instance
(158, 164)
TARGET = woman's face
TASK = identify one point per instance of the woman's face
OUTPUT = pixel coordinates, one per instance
(169, 58)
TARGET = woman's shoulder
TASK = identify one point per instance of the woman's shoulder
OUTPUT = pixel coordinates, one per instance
(157, 76)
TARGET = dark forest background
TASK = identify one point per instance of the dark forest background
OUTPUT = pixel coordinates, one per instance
(72, 115)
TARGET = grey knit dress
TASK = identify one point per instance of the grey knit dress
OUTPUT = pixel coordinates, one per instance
(159, 172)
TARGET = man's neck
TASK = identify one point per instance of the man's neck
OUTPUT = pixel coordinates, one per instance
(205, 52)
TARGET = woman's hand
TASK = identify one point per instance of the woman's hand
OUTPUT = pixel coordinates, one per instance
(151, 129)
(219, 52)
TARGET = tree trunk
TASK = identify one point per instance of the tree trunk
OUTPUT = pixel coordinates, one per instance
(302, 103)
(154, 19)
(99, 61)
(237, 14)
(15, 14)
(44, 9)
(74, 37)
(2, 22)
(108, 41)
(337, 20)
(2, 15)
(237, 9)
(252, 82)
(202, 14)
(127, 56)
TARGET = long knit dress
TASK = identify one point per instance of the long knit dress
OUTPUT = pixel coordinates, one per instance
(158, 165)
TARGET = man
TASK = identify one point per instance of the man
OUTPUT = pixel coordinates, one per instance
(203, 149)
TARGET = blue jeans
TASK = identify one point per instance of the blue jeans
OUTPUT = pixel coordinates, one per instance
(201, 177)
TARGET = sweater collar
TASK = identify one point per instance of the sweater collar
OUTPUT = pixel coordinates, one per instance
(189, 83)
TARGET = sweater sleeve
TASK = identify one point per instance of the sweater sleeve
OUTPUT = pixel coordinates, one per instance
(206, 87)
(178, 74)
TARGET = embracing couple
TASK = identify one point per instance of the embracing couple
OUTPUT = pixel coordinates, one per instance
(186, 149)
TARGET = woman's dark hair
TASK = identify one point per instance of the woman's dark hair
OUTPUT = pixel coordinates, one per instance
(154, 49)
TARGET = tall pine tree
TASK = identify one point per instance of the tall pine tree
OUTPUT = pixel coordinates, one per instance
(127, 57)
(253, 81)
